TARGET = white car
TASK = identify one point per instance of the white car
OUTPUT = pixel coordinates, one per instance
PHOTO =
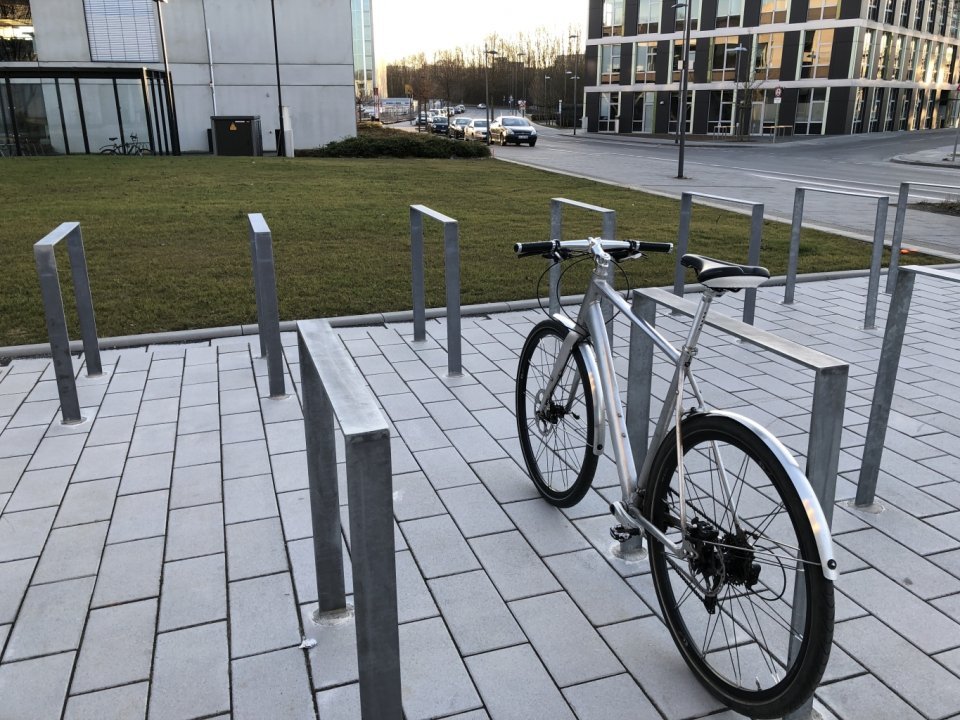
(513, 129)
(476, 129)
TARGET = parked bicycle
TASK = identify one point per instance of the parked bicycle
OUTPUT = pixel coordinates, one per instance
(118, 147)
(740, 552)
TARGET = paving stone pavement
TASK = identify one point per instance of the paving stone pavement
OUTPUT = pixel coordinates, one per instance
(156, 560)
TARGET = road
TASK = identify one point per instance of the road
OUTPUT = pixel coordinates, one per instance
(769, 173)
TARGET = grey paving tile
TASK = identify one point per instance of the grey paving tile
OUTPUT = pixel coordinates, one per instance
(199, 374)
(445, 467)
(30, 413)
(161, 388)
(272, 685)
(438, 546)
(239, 401)
(505, 480)
(918, 622)
(39, 488)
(245, 459)
(290, 471)
(421, 434)
(617, 696)
(249, 498)
(102, 461)
(577, 654)
(403, 406)
(194, 592)
(143, 474)
(303, 560)
(414, 601)
(191, 675)
(111, 429)
(235, 360)
(435, 681)
(14, 578)
(87, 502)
(285, 437)
(197, 449)
(138, 516)
(413, 497)
(475, 511)
(513, 566)
(22, 534)
(545, 527)
(196, 485)
(11, 469)
(295, 514)
(159, 412)
(255, 548)
(129, 571)
(263, 615)
(333, 660)
(207, 393)
(478, 618)
(195, 531)
(50, 620)
(71, 552)
(57, 451)
(668, 682)
(597, 532)
(117, 646)
(340, 703)
(154, 439)
(450, 414)
(237, 379)
(515, 686)
(119, 703)
(200, 418)
(866, 697)
(36, 688)
(475, 444)
(242, 427)
(126, 381)
(172, 367)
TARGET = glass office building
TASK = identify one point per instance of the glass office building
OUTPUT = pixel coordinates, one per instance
(364, 67)
(773, 66)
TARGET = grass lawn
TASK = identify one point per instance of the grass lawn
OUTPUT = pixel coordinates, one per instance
(167, 246)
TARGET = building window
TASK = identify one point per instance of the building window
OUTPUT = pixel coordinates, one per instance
(122, 30)
(922, 56)
(774, 11)
(644, 112)
(932, 17)
(955, 19)
(646, 55)
(905, 14)
(891, 118)
(609, 64)
(680, 16)
(648, 16)
(612, 17)
(890, 7)
(865, 56)
(16, 32)
(873, 10)
(918, 15)
(910, 59)
(876, 107)
(933, 68)
(720, 112)
(674, 120)
(811, 110)
(769, 57)
(678, 58)
(949, 63)
(882, 55)
(725, 57)
(609, 118)
(823, 9)
(944, 13)
(729, 13)
(815, 53)
(896, 58)
(858, 108)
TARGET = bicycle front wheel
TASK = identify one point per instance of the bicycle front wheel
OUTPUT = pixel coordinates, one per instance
(557, 442)
(751, 612)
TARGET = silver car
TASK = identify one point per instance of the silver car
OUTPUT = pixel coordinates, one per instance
(513, 129)
(476, 130)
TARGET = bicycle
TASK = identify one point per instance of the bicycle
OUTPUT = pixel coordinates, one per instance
(740, 552)
(134, 147)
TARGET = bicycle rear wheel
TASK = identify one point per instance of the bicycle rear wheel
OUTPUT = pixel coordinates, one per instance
(557, 443)
(730, 609)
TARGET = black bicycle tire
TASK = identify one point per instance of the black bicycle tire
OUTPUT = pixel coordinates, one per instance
(588, 460)
(108, 151)
(800, 681)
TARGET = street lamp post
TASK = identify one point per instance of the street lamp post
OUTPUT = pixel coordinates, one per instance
(523, 82)
(281, 142)
(684, 71)
(168, 84)
(738, 111)
(576, 73)
(546, 97)
(486, 85)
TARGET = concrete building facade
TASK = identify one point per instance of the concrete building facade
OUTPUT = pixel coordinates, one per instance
(773, 66)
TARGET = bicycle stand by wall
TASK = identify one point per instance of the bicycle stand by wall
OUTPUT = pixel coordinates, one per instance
(451, 255)
(335, 391)
(753, 253)
(268, 313)
(903, 197)
(46, 261)
(879, 228)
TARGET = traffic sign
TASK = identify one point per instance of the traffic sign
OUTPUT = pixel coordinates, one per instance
(778, 92)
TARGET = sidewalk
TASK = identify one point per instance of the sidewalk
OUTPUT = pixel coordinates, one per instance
(156, 561)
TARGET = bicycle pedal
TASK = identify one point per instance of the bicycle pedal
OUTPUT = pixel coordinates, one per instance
(622, 534)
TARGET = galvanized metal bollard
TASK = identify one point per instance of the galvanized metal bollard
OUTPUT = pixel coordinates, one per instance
(268, 313)
(451, 263)
(46, 261)
(903, 198)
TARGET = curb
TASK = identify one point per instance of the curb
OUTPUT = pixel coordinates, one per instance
(907, 160)
(400, 316)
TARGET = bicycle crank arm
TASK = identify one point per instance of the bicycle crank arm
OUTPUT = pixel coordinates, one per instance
(629, 520)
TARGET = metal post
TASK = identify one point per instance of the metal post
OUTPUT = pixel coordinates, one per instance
(556, 233)
(640, 378)
(684, 80)
(416, 260)
(753, 258)
(896, 241)
(84, 300)
(794, 255)
(256, 281)
(370, 499)
(609, 232)
(451, 254)
(883, 390)
(683, 237)
(268, 313)
(873, 287)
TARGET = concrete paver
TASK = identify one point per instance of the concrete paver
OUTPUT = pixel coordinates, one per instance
(159, 555)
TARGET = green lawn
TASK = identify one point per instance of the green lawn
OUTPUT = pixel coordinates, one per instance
(167, 245)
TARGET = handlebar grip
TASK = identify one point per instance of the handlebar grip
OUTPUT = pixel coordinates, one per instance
(535, 248)
(658, 247)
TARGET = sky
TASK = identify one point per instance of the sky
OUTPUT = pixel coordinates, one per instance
(408, 27)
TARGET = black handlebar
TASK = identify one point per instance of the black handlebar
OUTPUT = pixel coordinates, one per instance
(549, 247)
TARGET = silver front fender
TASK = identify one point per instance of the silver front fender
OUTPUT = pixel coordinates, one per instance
(818, 521)
(593, 377)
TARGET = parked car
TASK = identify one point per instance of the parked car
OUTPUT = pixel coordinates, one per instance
(482, 106)
(458, 125)
(460, 109)
(476, 129)
(421, 120)
(439, 124)
(512, 129)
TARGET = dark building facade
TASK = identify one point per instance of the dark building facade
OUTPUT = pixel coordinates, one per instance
(773, 66)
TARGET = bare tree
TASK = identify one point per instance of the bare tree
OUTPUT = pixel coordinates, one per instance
(16, 49)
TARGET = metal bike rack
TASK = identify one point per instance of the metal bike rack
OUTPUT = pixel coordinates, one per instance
(879, 229)
(334, 391)
(451, 255)
(268, 313)
(753, 254)
(887, 377)
(826, 416)
(608, 232)
(46, 260)
(903, 197)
